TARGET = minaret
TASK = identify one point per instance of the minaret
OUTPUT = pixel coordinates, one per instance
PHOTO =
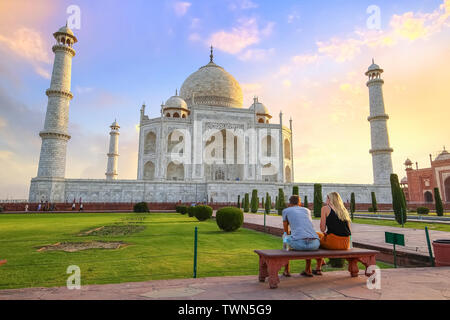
(52, 161)
(113, 154)
(381, 150)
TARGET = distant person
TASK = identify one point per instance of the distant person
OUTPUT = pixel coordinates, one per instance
(26, 207)
(302, 237)
(73, 206)
(39, 207)
(81, 207)
(335, 226)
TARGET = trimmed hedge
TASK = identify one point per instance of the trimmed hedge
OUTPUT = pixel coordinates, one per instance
(318, 200)
(246, 203)
(281, 202)
(190, 211)
(268, 204)
(374, 202)
(352, 205)
(423, 210)
(181, 209)
(141, 207)
(438, 203)
(203, 212)
(254, 204)
(295, 191)
(305, 202)
(229, 218)
(398, 201)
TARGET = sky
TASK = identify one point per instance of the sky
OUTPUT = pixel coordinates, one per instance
(304, 58)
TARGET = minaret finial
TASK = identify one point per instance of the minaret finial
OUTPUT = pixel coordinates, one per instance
(373, 61)
(176, 92)
(211, 56)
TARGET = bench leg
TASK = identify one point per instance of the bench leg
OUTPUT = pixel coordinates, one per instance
(353, 267)
(263, 273)
(367, 262)
(274, 266)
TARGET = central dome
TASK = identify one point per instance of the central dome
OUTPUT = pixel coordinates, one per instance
(212, 85)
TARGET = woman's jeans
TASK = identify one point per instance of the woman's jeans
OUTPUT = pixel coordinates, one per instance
(302, 244)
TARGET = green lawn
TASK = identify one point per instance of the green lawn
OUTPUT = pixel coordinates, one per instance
(163, 250)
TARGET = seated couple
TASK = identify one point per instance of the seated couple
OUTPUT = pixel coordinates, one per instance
(335, 227)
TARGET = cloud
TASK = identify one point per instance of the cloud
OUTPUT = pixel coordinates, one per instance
(245, 34)
(29, 45)
(181, 8)
(408, 26)
(256, 54)
(293, 17)
(243, 5)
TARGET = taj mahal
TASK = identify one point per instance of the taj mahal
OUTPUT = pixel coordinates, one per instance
(204, 146)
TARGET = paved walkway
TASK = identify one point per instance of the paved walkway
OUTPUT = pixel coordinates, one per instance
(396, 284)
(415, 239)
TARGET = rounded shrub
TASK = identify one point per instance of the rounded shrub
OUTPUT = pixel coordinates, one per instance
(203, 212)
(423, 210)
(190, 211)
(229, 218)
(141, 207)
(182, 209)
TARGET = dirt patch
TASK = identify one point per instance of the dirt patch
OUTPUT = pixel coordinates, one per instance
(114, 230)
(78, 246)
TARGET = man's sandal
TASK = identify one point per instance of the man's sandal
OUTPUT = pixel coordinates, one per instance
(309, 275)
(317, 272)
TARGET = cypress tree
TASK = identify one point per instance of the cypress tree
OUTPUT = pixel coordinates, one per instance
(246, 203)
(281, 201)
(262, 203)
(352, 204)
(239, 201)
(268, 204)
(254, 202)
(305, 203)
(318, 200)
(295, 191)
(438, 203)
(398, 200)
(276, 203)
(374, 202)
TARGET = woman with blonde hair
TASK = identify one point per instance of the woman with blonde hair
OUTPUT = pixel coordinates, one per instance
(335, 227)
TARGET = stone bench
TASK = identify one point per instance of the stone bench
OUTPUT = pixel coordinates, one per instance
(271, 261)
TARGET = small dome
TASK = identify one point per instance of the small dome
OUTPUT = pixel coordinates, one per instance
(408, 162)
(374, 66)
(260, 108)
(444, 155)
(404, 180)
(115, 124)
(66, 31)
(176, 102)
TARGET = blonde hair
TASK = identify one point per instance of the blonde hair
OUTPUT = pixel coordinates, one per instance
(338, 206)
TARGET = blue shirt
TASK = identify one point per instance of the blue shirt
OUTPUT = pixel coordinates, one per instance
(299, 219)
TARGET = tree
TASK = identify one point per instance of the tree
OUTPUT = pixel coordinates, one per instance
(268, 204)
(352, 204)
(398, 200)
(318, 200)
(374, 202)
(239, 201)
(305, 203)
(254, 204)
(295, 191)
(276, 203)
(281, 201)
(246, 203)
(438, 203)
(262, 203)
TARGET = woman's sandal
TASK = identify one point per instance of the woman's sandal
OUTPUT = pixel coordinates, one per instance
(317, 272)
(309, 275)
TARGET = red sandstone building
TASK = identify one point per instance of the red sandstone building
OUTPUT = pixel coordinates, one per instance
(419, 184)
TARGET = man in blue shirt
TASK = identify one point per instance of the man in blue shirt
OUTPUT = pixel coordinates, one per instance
(302, 235)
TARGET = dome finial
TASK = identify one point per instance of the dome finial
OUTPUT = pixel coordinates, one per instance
(211, 56)
(373, 61)
(176, 92)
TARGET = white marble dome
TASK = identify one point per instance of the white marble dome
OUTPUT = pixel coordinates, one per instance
(212, 85)
(444, 155)
(260, 108)
(176, 102)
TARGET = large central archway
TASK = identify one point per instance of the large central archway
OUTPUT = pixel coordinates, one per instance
(175, 171)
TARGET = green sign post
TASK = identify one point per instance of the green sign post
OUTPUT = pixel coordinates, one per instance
(395, 239)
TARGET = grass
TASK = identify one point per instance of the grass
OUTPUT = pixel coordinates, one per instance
(161, 250)
(432, 214)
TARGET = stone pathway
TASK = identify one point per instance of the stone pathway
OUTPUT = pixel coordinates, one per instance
(404, 284)
(415, 239)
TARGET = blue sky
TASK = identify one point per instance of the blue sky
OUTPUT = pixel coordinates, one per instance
(306, 58)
